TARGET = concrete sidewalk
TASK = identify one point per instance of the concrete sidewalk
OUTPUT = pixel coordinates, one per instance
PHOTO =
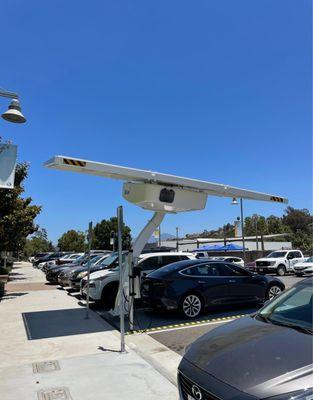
(39, 325)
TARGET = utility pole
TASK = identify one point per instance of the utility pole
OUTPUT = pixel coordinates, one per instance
(242, 231)
(120, 263)
(88, 273)
(177, 238)
(256, 217)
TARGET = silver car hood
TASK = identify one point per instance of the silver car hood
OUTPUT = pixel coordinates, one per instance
(255, 357)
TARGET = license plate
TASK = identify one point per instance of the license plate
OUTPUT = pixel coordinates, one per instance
(261, 269)
(190, 398)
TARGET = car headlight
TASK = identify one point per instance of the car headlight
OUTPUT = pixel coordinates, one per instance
(272, 262)
(82, 274)
(306, 394)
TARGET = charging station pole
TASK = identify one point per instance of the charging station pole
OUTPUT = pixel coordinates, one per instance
(120, 263)
(88, 273)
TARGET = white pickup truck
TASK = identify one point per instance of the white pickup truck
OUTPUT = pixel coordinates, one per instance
(279, 262)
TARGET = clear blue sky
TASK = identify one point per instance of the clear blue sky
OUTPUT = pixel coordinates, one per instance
(215, 90)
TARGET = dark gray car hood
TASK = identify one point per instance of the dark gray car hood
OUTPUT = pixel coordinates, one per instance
(255, 357)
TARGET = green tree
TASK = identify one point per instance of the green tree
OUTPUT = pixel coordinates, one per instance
(102, 234)
(37, 243)
(17, 215)
(300, 224)
(72, 241)
(276, 225)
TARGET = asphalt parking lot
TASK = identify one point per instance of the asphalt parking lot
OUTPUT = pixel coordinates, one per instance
(173, 330)
(179, 338)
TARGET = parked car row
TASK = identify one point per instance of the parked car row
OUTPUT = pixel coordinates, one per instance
(167, 280)
(279, 262)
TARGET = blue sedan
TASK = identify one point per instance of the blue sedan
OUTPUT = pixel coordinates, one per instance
(195, 285)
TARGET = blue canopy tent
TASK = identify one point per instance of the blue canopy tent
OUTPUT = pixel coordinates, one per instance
(219, 247)
(231, 247)
(214, 247)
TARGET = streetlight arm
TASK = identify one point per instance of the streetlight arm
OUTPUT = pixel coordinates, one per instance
(10, 95)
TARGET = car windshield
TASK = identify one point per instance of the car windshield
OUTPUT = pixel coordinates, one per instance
(80, 259)
(277, 254)
(309, 260)
(292, 309)
(112, 260)
(93, 258)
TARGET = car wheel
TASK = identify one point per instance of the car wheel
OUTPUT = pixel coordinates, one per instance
(273, 291)
(281, 270)
(191, 305)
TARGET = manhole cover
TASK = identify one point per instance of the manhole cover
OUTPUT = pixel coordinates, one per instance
(59, 393)
(46, 366)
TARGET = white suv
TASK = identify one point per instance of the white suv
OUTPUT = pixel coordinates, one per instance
(279, 262)
(104, 284)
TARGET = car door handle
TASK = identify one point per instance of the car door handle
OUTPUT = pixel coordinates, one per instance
(201, 281)
(231, 281)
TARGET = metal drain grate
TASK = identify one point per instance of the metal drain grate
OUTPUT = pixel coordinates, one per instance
(58, 393)
(45, 366)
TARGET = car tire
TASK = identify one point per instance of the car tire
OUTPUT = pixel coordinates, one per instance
(108, 296)
(191, 305)
(281, 270)
(273, 291)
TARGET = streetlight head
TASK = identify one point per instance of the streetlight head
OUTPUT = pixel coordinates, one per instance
(14, 113)
(234, 202)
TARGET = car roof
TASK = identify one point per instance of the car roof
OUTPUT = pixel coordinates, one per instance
(166, 253)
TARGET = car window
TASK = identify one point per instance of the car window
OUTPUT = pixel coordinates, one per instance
(297, 254)
(225, 269)
(238, 271)
(165, 260)
(150, 263)
(202, 270)
(293, 307)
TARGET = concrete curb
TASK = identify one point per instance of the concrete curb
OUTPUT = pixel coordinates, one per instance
(164, 360)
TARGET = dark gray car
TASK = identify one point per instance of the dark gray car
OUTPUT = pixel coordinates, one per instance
(264, 356)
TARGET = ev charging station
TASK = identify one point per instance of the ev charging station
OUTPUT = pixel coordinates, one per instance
(157, 192)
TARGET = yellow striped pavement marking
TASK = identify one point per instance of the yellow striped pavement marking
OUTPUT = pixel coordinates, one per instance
(183, 324)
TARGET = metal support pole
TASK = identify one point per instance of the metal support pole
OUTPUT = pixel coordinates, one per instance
(120, 263)
(88, 273)
(242, 231)
(177, 238)
(256, 233)
(131, 285)
(138, 246)
(160, 241)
